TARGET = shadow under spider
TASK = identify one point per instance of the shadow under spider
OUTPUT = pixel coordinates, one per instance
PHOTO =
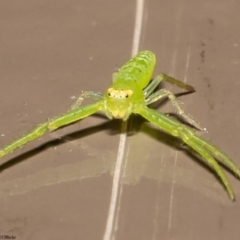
(145, 127)
(113, 127)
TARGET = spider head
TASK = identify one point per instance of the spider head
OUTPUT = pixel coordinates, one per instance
(119, 93)
(120, 99)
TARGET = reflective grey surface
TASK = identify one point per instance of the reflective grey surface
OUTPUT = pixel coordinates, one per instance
(60, 186)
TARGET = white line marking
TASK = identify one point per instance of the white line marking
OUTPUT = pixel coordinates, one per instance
(138, 26)
(172, 193)
(178, 31)
(109, 230)
(187, 63)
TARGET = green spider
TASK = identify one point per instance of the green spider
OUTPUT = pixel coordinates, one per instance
(131, 92)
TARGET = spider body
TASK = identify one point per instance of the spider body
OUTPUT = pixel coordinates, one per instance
(128, 84)
(138, 69)
(132, 91)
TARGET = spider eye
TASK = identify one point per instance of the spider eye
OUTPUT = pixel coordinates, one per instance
(119, 93)
(129, 93)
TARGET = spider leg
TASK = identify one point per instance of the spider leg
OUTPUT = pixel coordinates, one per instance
(176, 82)
(154, 83)
(165, 93)
(152, 86)
(202, 147)
(57, 122)
(88, 94)
(214, 151)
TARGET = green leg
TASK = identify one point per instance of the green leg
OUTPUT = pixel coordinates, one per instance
(89, 94)
(156, 81)
(165, 93)
(203, 148)
(57, 122)
(214, 151)
(35, 133)
(152, 86)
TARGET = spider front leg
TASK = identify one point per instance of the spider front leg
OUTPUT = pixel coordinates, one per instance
(204, 148)
(51, 125)
(156, 81)
(165, 93)
(88, 94)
